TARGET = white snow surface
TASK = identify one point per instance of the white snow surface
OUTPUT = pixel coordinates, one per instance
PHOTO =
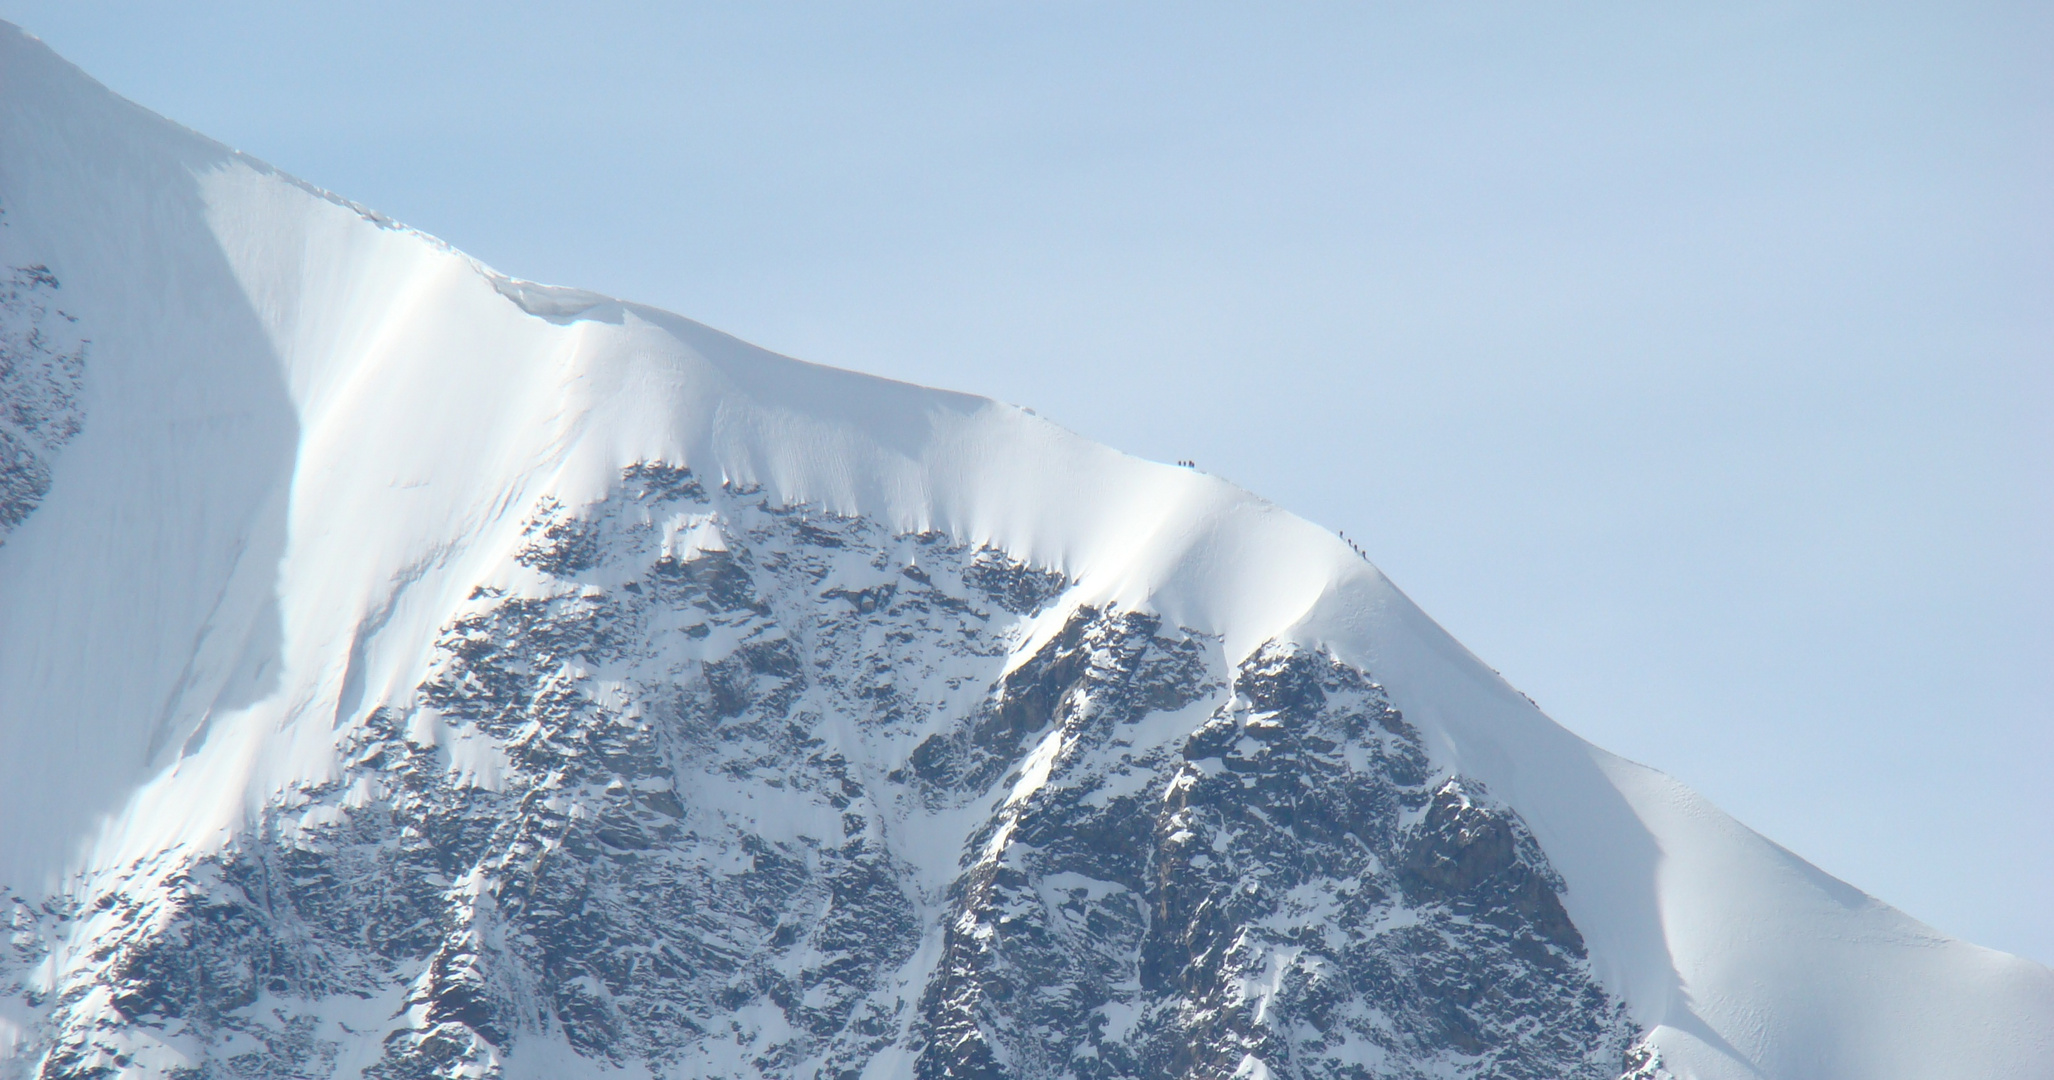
(309, 431)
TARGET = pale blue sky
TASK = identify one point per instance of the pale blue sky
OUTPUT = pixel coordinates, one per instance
(1693, 364)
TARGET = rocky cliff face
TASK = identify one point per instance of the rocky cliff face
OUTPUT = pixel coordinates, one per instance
(704, 786)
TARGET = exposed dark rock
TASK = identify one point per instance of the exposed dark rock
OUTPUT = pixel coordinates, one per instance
(42, 375)
(712, 822)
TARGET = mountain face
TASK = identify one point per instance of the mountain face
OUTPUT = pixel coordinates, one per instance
(725, 788)
(407, 671)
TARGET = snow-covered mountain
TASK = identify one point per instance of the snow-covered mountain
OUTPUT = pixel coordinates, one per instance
(410, 671)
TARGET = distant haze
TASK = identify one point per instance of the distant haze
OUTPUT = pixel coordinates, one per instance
(1695, 368)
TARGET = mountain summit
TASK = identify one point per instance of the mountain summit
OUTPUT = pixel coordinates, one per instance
(409, 671)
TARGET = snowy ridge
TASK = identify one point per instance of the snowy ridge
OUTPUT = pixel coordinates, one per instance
(309, 437)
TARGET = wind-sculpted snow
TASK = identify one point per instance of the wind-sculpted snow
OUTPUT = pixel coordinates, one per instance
(721, 788)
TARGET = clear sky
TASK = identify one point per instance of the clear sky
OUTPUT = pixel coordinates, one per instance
(1693, 364)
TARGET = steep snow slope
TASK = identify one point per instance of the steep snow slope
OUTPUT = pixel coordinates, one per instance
(309, 435)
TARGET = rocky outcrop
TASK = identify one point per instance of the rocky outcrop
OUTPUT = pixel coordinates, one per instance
(42, 374)
(705, 786)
